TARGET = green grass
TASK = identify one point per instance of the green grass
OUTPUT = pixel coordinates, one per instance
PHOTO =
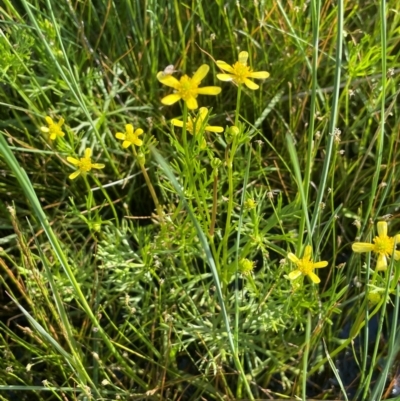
(164, 275)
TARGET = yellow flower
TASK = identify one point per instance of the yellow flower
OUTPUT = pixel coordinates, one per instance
(84, 164)
(131, 137)
(383, 246)
(187, 88)
(240, 72)
(53, 129)
(197, 123)
(305, 265)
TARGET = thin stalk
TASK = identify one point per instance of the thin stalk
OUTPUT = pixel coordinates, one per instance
(334, 114)
(110, 202)
(315, 14)
(214, 205)
(239, 93)
(150, 186)
(305, 358)
(229, 211)
(237, 314)
(381, 137)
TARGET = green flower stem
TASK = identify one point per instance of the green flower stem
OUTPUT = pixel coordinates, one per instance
(188, 165)
(214, 206)
(229, 163)
(98, 183)
(184, 130)
(150, 186)
(239, 93)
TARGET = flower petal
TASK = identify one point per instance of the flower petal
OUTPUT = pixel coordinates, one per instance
(61, 122)
(293, 258)
(243, 56)
(397, 238)
(49, 120)
(318, 265)
(168, 80)
(381, 263)
(314, 278)
(44, 129)
(171, 99)
(201, 72)
(224, 66)
(225, 77)
(120, 135)
(382, 228)
(203, 113)
(177, 123)
(209, 90)
(72, 160)
(192, 103)
(212, 128)
(138, 142)
(250, 84)
(88, 153)
(362, 247)
(74, 174)
(126, 144)
(138, 132)
(259, 75)
(396, 255)
(307, 252)
(129, 129)
(294, 274)
(98, 165)
(53, 136)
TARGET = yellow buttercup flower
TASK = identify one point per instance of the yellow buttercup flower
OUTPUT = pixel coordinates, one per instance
(305, 265)
(383, 246)
(84, 164)
(187, 88)
(240, 72)
(54, 129)
(131, 136)
(193, 125)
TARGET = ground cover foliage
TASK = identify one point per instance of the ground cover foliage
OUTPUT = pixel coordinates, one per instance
(238, 244)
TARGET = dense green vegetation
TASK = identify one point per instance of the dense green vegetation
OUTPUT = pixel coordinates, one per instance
(154, 249)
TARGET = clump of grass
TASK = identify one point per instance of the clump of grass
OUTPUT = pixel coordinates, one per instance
(179, 260)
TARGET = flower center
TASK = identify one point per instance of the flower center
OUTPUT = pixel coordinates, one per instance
(383, 245)
(187, 88)
(241, 72)
(305, 266)
(131, 137)
(85, 164)
(54, 129)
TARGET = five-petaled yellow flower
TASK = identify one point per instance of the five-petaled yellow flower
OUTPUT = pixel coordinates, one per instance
(240, 72)
(305, 265)
(187, 88)
(131, 136)
(193, 125)
(84, 164)
(383, 246)
(53, 129)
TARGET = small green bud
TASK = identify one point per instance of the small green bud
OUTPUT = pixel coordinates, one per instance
(141, 158)
(231, 133)
(250, 203)
(246, 266)
(216, 164)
